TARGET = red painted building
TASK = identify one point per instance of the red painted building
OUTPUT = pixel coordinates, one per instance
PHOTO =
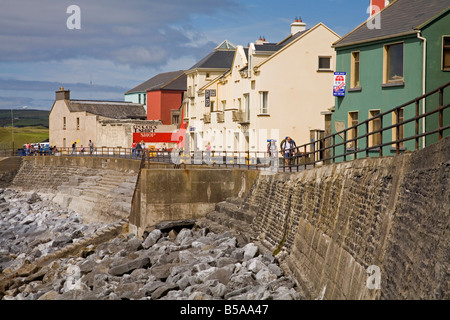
(164, 99)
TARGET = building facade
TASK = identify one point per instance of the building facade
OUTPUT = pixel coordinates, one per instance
(270, 91)
(105, 123)
(390, 66)
(160, 94)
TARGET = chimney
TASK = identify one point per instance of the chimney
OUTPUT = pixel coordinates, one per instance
(297, 26)
(261, 40)
(62, 94)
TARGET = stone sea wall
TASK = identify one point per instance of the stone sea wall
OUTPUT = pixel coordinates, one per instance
(331, 227)
(100, 189)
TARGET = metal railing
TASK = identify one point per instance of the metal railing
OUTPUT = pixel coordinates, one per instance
(325, 150)
(322, 151)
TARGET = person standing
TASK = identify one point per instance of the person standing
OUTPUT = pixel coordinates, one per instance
(91, 147)
(74, 147)
(133, 149)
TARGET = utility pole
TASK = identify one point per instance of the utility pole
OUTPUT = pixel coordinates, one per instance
(12, 130)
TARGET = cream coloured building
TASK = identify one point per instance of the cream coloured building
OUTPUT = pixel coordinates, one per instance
(106, 123)
(270, 91)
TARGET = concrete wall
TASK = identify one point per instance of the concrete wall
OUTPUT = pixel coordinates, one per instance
(329, 225)
(9, 166)
(174, 194)
(99, 189)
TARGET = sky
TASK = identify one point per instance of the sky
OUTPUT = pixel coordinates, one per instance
(110, 46)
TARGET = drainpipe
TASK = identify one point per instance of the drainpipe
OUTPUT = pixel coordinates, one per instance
(424, 68)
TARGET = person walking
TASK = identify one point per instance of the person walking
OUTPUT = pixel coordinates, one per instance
(288, 150)
(74, 147)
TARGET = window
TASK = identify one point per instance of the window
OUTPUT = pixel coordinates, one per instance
(353, 133)
(211, 103)
(446, 53)
(400, 115)
(78, 123)
(393, 69)
(324, 63)
(264, 95)
(374, 125)
(64, 123)
(355, 70)
(175, 119)
(224, 104)
(139, 98)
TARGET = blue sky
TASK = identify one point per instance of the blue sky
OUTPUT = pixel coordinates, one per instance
(123, 43)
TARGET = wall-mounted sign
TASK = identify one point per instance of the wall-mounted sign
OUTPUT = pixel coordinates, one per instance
(144, 128)
(209, 94)
(339, 84)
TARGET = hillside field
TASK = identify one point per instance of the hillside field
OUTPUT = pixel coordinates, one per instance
(22, 135)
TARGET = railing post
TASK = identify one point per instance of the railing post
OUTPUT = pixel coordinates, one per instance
(397, 131)
(334, 148)
(345, 145)
(367, 139)
(417, 125)
(381, 135)
(441, 112)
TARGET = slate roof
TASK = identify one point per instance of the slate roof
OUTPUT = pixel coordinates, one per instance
(109, 109)
(218, 59)
(399, 18)
(174, 80)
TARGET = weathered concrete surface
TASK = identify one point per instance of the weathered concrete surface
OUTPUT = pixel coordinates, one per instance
(176, 194)
(100, 189)
(9, 166)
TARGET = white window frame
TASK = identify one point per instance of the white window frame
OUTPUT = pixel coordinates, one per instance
(264, 102)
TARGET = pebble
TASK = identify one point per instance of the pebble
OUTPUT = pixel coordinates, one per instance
(191, 264)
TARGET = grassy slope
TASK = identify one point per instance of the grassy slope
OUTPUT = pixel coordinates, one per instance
(23, 135)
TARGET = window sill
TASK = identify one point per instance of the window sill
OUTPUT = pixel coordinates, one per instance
(263, 115)
(325, 70)
(393, 84)
(356, 89)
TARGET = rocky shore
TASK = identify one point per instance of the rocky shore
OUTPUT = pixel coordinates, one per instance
(184, 263)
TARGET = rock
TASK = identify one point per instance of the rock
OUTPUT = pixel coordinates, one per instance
(250, 251)
(163, 290)
(34, 197)
(61, 241)
(152, 238)
(151, 286)
(50, 295)
(127, 267)
(166, 226)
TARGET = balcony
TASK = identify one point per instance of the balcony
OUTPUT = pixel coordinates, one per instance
(220, 117)
(244, 117)
(207, 118)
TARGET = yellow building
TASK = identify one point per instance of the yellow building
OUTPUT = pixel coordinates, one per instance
(270, 91)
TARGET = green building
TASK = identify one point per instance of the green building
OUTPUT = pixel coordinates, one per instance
(394, 57)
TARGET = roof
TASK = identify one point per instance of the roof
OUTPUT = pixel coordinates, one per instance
(401, 17)
(174, 80)
(291, 38)
(220, 58)
(226, 45)
(109, 109)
